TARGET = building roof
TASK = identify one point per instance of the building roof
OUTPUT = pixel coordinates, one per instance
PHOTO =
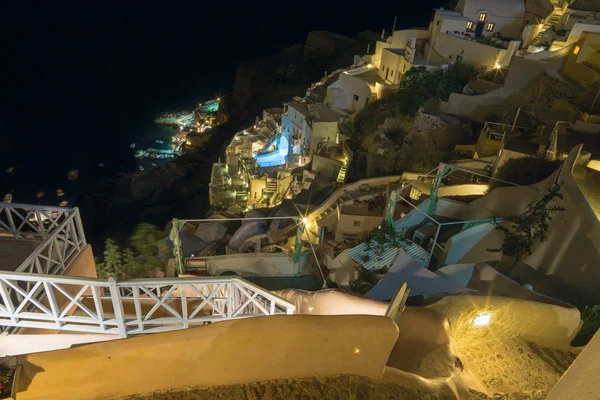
(400, 52)
(302, 108)
(361, 209)
(520, 146)
(371, 77)
(319, 112)
(274, 110)
(448, 13)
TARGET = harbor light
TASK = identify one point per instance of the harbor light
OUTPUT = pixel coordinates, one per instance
(481, 319)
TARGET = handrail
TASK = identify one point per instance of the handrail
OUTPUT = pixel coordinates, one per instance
(58, 249)
(159, 304)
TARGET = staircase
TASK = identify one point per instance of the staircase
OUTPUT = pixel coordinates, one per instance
(269, 142)
(586, 103)
(553, 20)
(269, 190)
(342, 175)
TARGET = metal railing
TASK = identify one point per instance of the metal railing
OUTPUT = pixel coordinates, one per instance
(152, 305)
(25, 221)
(499, 131)
(59, 228)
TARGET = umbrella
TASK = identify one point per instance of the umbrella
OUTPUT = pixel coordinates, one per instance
(209, 232)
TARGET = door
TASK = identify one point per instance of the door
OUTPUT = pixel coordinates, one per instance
(387, 71)
(479, 29)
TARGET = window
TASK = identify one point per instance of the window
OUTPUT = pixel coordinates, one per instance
(355, 98)
(438, 22)
(392, 74)
(482, 17)
(470, 25)
(490, 27)
(357, 224)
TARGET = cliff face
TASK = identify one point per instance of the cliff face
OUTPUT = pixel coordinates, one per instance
(271, 80)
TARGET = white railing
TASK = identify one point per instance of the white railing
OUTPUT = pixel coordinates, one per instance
(54, 255)
(25, 221)
(59, 229)
(151, 305)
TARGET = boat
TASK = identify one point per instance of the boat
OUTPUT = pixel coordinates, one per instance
(10, 170)
(102, 165)
(63, 203)
(141, 168)
(60, 193)
(159, 141)
(40, 194)
(8, 198)
(132, 146)
(73, 174)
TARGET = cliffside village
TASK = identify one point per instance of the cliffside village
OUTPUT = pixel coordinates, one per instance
(415, 219)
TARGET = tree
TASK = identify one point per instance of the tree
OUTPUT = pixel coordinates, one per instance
(522, 231)
(138, 261)
(112, 260)
(524, 171)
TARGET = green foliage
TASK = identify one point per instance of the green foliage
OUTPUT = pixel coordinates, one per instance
(591, 323)
(139, 261)
(462, 72)
(383, 238)
(416, 87)
(524, 171)
(522, 231)
(366, 280)
(144, 238)
(6, 377)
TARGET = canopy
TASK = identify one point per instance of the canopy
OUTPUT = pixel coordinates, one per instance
(210, 231)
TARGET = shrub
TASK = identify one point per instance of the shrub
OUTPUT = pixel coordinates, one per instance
(524, 171)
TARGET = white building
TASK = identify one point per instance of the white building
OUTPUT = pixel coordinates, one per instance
(487, 17)
(306, 125)
(355, 89)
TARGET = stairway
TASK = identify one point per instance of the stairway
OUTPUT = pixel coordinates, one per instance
(553, 20)
(585, 104)
(342, 175)
(269, 142)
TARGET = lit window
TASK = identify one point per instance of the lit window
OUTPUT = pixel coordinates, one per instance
(576, 50)
(482, 17)
(470, 25)
(490, 27)
(357, 224)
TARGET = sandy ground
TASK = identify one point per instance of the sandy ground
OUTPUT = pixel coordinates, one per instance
(327, 388)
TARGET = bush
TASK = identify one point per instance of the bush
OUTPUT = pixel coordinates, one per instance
(524, 171)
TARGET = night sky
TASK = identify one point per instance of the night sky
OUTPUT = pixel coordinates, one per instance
(81, 80)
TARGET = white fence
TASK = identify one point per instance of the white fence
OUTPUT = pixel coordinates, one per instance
(149, 306)
(59, 229)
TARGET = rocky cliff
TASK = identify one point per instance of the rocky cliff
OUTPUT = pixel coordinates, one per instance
(271, 80)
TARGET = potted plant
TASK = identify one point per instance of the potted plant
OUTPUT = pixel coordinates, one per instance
(521, 232)
(9, 376)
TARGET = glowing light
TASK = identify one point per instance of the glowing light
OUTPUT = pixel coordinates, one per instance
(482, 319)
(540, 26)
(356, 350)
(310, 309)
(305, 221)
(218, 99)
(497, 65)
